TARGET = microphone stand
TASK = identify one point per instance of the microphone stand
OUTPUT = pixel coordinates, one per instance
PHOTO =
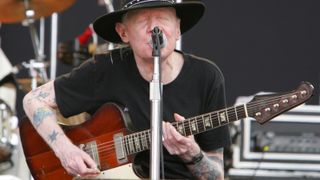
(156, 105)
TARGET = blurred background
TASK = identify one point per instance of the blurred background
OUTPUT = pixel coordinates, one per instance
(260, 46)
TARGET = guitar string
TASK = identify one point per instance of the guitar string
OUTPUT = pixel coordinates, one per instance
(134, 150)
(111, 144)
(131, 140)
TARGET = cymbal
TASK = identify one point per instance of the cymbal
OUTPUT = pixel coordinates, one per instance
(13, 11)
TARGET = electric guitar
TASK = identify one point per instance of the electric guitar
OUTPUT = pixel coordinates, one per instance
(109, 141)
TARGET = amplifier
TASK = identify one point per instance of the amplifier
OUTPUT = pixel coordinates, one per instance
(290, 141)
(285, 142)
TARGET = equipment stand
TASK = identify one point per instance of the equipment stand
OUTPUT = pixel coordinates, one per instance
(36, 66)
(156, 106)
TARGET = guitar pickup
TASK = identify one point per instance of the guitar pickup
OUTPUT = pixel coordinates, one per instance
(92, 150)
(120, 149)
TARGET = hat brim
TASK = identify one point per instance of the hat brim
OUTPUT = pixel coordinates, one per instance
(189, 13)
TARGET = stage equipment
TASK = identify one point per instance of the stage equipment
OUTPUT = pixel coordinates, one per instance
(27, 11)
(287, 147)
(76, 51)
(8, 135)
(25, 84)
(15, 11)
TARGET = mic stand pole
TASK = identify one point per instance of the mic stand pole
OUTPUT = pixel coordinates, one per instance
(53, 48)
(156, 109)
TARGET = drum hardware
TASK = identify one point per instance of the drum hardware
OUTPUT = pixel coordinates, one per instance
(25, 84)
(27, 11)
(8, 135)
(9, 79)
(8, 125)
(109, 5)
(36, 66)
(76, 51)
(14, 11)
(73, 53)
(37, 71)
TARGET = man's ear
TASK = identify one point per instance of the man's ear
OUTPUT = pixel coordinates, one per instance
(121, 30)
(178, 30)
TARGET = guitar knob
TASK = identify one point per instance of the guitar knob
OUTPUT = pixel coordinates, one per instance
(276, 105)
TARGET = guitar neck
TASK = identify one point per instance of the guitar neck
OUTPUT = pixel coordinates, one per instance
(140, 141)
(263, 108)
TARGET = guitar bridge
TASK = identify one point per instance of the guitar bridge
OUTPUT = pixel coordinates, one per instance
(120, 149)
(91, 149)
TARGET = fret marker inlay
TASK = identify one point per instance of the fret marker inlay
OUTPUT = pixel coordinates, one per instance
(223, 117)
(207, 121)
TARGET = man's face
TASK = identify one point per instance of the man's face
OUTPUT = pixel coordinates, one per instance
(137, 26)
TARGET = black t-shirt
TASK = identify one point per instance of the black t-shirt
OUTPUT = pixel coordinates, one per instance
(114, 77)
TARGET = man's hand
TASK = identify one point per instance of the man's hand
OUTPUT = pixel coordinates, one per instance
(77, 162)
(185, 147)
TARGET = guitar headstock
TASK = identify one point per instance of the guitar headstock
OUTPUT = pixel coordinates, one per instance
(265, 107)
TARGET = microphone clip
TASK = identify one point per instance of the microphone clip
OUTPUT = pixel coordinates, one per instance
(157, 41)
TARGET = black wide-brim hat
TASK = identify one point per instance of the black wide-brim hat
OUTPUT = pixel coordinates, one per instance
(189, 13)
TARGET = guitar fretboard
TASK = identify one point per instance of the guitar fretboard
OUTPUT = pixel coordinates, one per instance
(140, 141)
(262, 108)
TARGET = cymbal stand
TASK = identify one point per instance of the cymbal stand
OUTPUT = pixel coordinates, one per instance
(36, 66)
(53, 48)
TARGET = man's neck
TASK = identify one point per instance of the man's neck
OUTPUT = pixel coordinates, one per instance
(170, 68)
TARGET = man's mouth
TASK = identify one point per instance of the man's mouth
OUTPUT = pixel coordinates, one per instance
(164, 43)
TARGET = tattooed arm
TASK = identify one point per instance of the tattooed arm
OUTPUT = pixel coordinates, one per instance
(40, 106)
(209, 167)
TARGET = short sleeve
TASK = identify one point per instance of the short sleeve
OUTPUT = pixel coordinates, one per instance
(75, 91)
(216, 100)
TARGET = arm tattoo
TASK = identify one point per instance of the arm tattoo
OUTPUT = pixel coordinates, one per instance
(209, 168)
(40, 114)
(53, 136)
(43, 95)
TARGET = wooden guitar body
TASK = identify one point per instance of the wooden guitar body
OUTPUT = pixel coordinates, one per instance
(106, 122)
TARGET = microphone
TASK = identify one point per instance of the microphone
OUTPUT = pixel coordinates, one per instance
(158, 41)
(157, 33)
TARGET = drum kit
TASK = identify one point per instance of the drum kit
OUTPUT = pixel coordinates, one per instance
(28, 12)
